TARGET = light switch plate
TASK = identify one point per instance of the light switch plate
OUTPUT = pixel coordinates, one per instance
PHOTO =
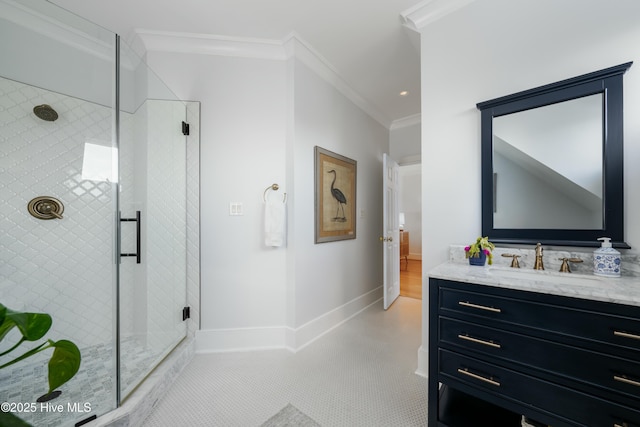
(235, 208)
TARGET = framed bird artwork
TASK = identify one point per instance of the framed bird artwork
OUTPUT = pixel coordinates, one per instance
(335, 196)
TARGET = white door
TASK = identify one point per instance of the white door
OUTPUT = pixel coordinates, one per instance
(390, 231)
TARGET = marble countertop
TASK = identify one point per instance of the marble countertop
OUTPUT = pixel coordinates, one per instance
(620, 290)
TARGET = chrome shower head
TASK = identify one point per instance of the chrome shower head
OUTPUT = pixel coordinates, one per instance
(45, 112)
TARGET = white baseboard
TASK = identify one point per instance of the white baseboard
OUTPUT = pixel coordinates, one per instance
(314, 329)
(240, 339)
(278, 337)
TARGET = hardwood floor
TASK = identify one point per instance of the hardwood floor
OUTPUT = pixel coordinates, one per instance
(411, 278)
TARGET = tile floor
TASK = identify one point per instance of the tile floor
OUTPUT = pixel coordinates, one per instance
(359, 374)
(93, 384)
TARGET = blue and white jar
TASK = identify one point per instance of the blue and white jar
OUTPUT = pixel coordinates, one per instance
(606, 260)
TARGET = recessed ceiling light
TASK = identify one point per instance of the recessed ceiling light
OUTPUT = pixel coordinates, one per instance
(404, 93)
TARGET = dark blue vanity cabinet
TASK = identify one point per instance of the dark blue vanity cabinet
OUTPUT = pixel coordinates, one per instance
(559, 360)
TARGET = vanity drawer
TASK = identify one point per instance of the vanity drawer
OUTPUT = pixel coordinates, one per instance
(571, 406)
(554, 360)
(571, 317)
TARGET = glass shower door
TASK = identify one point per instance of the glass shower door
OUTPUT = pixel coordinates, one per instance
(153, 221)
(78, 161)
(57, 77)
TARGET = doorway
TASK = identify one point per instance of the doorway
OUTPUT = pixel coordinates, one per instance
(410, 204)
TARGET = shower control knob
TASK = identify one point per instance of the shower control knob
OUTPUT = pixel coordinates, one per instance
(46, 208)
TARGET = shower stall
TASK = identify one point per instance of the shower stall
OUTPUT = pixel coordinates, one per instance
(93, 219)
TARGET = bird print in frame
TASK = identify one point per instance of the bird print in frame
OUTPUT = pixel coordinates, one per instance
(335, 196)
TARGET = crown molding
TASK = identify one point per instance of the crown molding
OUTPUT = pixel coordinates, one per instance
(429, 11)
(291, 46)
(305, 53)
(100, 43)
(97, 42)
(77, 33)
(209, 44)
(412, 120)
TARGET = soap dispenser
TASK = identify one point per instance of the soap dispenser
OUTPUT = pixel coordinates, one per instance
(606, 260)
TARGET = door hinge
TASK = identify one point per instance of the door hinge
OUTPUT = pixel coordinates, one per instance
(185, 128)
(186, 313)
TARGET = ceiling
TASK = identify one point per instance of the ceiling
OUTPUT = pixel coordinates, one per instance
(364, 41)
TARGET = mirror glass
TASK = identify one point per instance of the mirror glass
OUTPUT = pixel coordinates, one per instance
(547, 165)
(552, 162)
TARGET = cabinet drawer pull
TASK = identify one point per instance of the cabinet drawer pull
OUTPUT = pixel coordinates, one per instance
(479, 341)
(480, 307)
(626, 380)
(626, 335)
(478, 377)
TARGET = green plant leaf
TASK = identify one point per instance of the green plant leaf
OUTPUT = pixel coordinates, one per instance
(3, 313)
(64, 363)
(33, 326)
(6, 324)
(7, 419)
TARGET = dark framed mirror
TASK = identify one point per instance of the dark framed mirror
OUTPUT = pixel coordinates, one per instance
(552, 162)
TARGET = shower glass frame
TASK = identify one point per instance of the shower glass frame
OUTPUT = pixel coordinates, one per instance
(110, 106)
(154, 193)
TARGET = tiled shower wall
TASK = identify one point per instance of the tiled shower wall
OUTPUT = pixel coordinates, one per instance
(66, 267)
(62, 267)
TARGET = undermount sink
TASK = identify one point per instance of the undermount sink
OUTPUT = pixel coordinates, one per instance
(545, 276)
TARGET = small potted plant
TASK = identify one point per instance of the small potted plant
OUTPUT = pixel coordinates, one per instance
(480, 251)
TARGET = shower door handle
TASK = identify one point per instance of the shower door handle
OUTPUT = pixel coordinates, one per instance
(137, 221)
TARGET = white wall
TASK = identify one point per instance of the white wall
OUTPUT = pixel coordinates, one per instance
(492, 48)
(404, 143)
(260, 119)
(243, 135)
(329, 275)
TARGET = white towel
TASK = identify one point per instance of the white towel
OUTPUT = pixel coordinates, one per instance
(274, 222)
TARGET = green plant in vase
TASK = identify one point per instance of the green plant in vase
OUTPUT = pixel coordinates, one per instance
(63, 364)
(481, 245)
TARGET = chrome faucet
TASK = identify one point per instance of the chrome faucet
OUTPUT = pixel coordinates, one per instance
(538, 265)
